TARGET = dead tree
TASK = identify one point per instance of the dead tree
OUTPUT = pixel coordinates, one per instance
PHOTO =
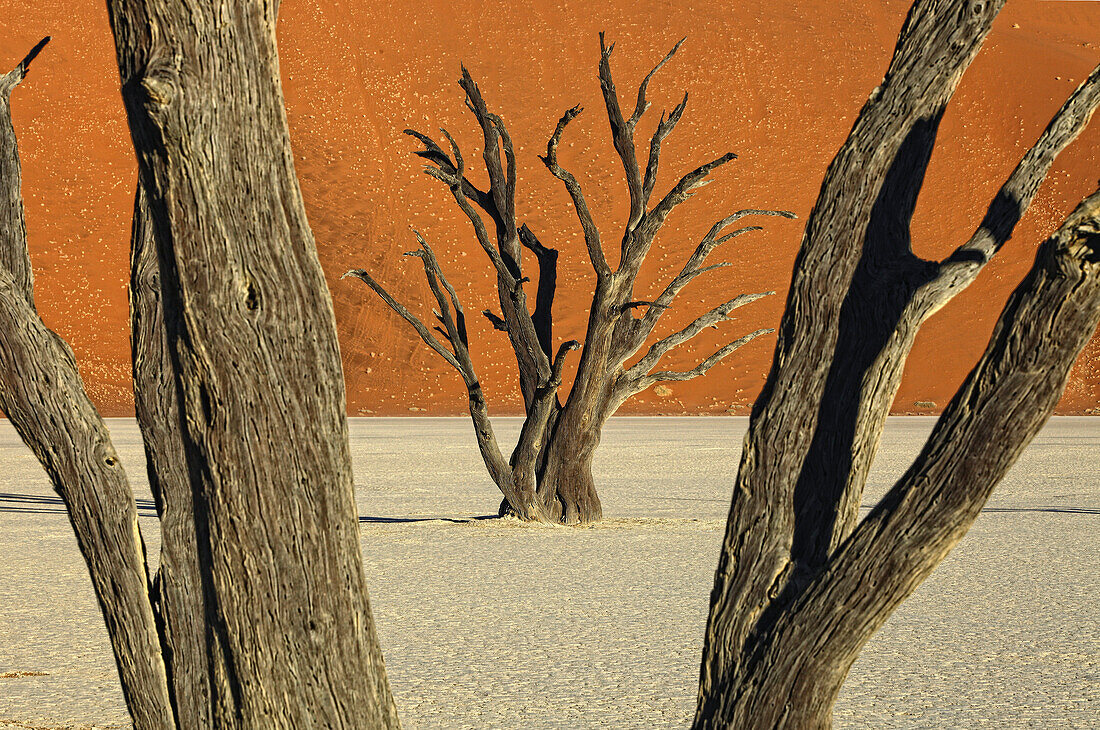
(549, 475)
(258, 615)
(802, 583)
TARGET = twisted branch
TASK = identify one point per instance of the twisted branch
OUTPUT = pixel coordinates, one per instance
(659, 348)
(580, 205)
(705, 365)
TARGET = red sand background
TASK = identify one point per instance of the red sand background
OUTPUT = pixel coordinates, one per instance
(779, 83)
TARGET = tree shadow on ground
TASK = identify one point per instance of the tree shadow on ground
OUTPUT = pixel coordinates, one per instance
(365, 519)
(47, 504)
(1037, 508)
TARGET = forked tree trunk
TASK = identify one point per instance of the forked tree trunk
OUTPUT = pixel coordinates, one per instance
(568, 477)
(549, 475)
(259, 615)
(801, 585)
(565, 488)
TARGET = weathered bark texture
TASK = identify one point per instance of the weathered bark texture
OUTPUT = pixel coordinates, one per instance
(259, 615)
(799, 588)
(252, 340)
(43, 396)
(178, 588)
(549, 474)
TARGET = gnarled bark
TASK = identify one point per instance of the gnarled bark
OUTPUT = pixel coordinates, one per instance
(259, 616)
(784, 625)
(178, 588)
(548, 476)
(43, 396)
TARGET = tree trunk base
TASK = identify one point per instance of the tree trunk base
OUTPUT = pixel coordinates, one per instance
(575, 504)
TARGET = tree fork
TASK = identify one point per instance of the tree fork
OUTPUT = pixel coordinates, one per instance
(549, 476)
(792, 678)
(805, 458)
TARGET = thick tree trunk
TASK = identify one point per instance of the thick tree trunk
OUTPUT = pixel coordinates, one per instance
(790, 609)
(178, 588)
(575, 490)
(289, 639)
(566, 479)
(41, 392)
(566, 490)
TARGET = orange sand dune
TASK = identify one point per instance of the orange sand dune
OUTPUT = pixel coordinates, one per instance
(778, 83)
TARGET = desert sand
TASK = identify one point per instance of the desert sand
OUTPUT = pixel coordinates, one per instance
(779, 83)
(493, 624)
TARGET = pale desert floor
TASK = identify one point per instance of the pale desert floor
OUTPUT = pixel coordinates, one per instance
(488, 624)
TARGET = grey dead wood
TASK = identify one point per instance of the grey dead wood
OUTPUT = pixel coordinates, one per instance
(801, 585)
(178, 588)
(259, 614)
(43, 396)
(548, 476)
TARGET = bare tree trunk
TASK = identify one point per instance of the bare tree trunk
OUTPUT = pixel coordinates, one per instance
(251, 337)
(549, 474)
(567, 476)
(784, 625)
(43, 396)
(178, 588)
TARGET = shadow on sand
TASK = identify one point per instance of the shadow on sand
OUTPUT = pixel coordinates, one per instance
(398, 520)
(45, 504)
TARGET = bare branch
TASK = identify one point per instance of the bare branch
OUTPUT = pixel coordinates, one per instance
(693, 268)
(530, 341)
(439, 272)
(591, 233)
(498, 322)
(12, 78)
(42, 395)
(559, 362)
(510, 159)
(719, 314)
(455, 334)
(453, 175)
(680, 192)
(433, 153)
(1014, 197)
(454, 182)
(641, 303)
(664, 128)
(642, 105)
(910, 295)
(434, 272)
(937, 43)
(424, 332)
(638, 240)
(13, 230)
(501, 184)
(622, 135)
(670, 375)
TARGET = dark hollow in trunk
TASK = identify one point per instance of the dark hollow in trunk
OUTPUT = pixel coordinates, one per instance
(549, 474)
